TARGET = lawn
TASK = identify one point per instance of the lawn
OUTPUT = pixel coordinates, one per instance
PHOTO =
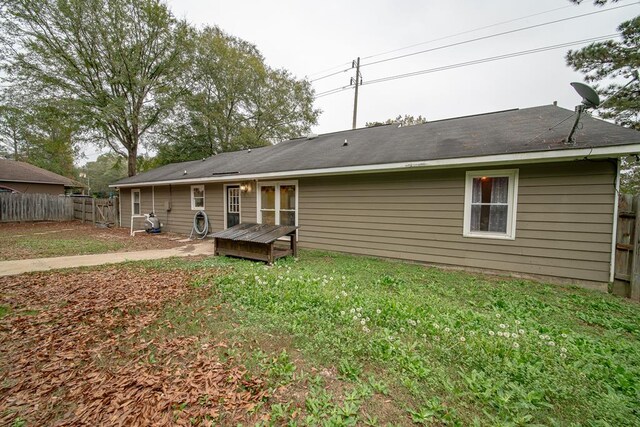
(49, 239)
(327, 340)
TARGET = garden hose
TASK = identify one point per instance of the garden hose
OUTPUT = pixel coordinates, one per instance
(200, 233)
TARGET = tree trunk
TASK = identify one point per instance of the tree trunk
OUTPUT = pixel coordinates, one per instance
(132, 159)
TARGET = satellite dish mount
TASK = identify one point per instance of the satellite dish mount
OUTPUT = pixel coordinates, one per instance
(590, 99)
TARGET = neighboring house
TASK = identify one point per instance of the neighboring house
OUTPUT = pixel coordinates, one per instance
(21, 177)
(501, 191)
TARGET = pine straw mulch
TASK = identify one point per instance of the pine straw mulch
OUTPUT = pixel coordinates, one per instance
(73, 354)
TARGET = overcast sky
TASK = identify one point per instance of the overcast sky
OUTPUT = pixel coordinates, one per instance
(307, 38)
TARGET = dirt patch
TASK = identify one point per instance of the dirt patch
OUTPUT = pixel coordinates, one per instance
(50, 239)
(75, 353)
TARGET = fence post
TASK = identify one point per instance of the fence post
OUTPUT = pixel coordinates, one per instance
(93, 210)
(635, 263)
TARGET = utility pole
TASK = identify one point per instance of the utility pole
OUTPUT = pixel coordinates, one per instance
(358, 82)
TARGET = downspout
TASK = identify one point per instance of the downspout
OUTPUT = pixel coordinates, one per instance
(153, 199)
(614, 232)
(120, 207)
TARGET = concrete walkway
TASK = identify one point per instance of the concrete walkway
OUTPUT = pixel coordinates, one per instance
(10, 268)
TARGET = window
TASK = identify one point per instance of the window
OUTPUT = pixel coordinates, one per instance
(277, 203)
(197, 197)
(490, 204)
(135, 202)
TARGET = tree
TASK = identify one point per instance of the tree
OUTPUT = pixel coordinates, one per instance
(614, 66)
(106, 169)
(37, 132)
(407, 120)
(233, 101)
(112, 62)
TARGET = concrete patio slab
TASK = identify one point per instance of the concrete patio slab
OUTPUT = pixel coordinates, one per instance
(10, 268)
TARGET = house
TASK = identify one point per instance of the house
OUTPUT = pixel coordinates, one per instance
(501, 191)
(21, 177)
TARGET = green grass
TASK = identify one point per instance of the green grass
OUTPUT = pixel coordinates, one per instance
(410, 344)
(60, 246)
(4, 310)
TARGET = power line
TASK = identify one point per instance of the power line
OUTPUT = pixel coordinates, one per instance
(469, 63)
(467, 32)
(329, 69)
(329, 75)
(496, 35)
(489, 59)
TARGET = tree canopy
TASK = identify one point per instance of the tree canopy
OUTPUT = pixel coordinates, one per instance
(406, 120)
(233, 101)
(111, 62)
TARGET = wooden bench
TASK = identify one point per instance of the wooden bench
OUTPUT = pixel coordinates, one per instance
(256, 241)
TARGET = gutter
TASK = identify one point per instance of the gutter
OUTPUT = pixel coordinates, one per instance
(493, 160)
(614, 233)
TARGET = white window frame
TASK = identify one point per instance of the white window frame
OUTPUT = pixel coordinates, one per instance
(193, 199)
(277, 185)
(224, 202)
(133, 210)
(512, 200)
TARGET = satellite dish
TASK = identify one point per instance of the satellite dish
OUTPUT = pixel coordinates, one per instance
(590, 98)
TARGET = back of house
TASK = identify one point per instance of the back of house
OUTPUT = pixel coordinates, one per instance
(504, 192)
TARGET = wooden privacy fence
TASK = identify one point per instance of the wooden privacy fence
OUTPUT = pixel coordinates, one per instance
(627, 266)
(17, 207)
(101, 211)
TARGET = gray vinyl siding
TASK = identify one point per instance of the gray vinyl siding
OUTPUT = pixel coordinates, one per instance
(563, 225)
(179, 217)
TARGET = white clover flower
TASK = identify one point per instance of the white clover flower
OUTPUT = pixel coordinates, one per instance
(518, 322)
(447, 329)
(435, 325)
(502, 326)
(343, 278)
(342, 312)
(363, 322)
(353, 310)
(563, 355)
(424, 336)
(514, 335)
(337, 296)
(564, 335)
(437, 338)
(499, 333)
(367, 319)
(359, 315)
(541, 336)
(402, 330)
(563, 350)
(551, 343)
(521, 331)
(516, 345)
(365, 329)
(390, 337)
(411, 322)
(344, 284)
(331, 278)
(493, 333)
(463, 339)
(344, 294)
(359, 309)
(378, 311)
(497, 315)
(355, 317)
(472, 333)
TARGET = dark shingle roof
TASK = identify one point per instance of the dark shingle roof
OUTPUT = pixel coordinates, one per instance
(12, 170)
(506, 132)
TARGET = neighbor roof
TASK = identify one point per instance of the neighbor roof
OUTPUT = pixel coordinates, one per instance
(15, 171)
(538, 129)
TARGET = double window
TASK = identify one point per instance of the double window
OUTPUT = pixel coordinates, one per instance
(278, 203)
(490, 204)
(197, 197)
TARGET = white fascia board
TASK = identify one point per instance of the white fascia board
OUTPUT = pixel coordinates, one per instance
(493, 160)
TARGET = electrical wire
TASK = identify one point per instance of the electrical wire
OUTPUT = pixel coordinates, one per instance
(489, 59)
(495, 35)
(466, 32)
(468, 63)
(332, 74)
